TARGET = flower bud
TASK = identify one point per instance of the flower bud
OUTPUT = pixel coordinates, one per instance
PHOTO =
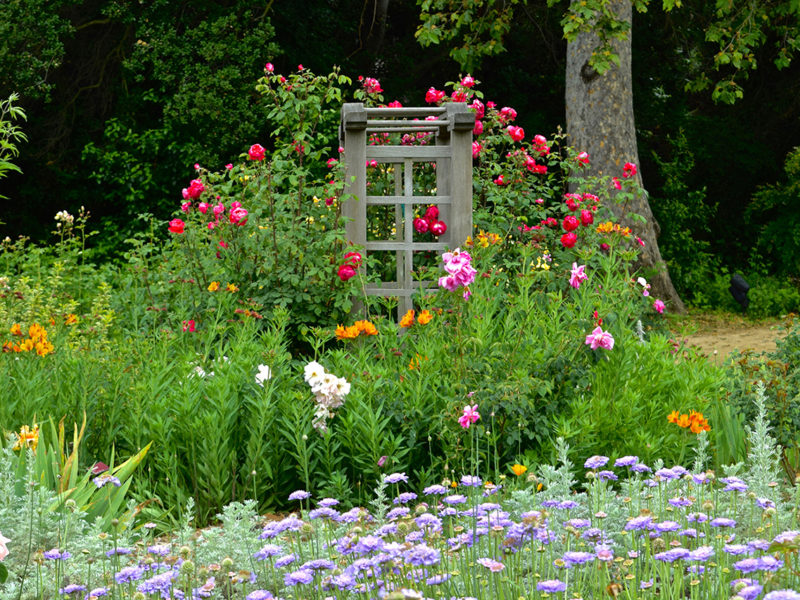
(227, 563)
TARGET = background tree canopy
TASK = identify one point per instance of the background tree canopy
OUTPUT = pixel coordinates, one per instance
(124, 97)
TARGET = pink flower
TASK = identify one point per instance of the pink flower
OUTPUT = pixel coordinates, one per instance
(617, 183)
(640, 241)
(432, 213)
(196, 166)
(500, 180)
(176, 226)
(459, 96)
(433, 96)
(438, 228)
(256, 152)
(371, 164)
(395, 104)
(470, 416)
(577, 275)
(186, 206)
(238, 216)
(479, 108)
(587, 218)
(658, 306)
(570, 223)
(229, 166)
(346, 271)
(583, 158)
(3, 548)
(572, 201)
(449, 283)
(476, 149)
(568, 240)
(516, 133)
(269, 67)
(188, 325)
(478, 129)
(299, 67)
(421, 225)
(629, 170)
(600, 339)
(507, 114)
(605, 247)
(539, 201)
(196, 188)
(372, 86)
(203, 207)
(219, 208)
(223, 244)
(468, 81)
(645, 286)
(353, 258)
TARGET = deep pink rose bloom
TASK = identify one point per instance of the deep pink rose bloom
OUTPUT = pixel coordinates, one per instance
(480, 109)
(219, 208)
(587, 217)
(186, 206)
(629, 170)
(570, 200)
(617, 183)
(238, 216)
(459, 96)
(420, 225)
(438, 228)
(346, 271)
(433, 96)
(269, 67)
(570, 223)
(432, 213)
(583, 158)
(476, 149)
(600, 339)
(478, 129)
(658, 305)
(568, 240)
(500, 180)
(203, 207)
(176, 226)
(353, 258)
(256, 152)
(507, 114)
(196, 188)
(516, 133)
(468, 81)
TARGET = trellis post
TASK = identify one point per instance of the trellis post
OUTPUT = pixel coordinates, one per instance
(451, 126)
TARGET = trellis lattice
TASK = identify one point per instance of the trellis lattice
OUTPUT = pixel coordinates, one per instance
(448, 146)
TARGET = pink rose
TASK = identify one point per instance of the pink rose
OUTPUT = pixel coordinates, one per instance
(219, 208)
(629, 170)
(433, 96)
(616, 182)
(583, 158)
(238, 216)
(507, 114)
(570, 223)
(346, 271)
(229, 166)
(432, 213)
(203, 207)
(658, 306)
(587, 217)
(3, 549)
(256, 152)
(500, 180)
(476, 149)
(478, 129)
(438, 228)
(186, 206)
(269, 67)
(600, 339)
(479, 108)
(196, 188)
(353, 258)
(421, 225)
(568, 240)
(468, 81)
(176, 226)
(516, 133)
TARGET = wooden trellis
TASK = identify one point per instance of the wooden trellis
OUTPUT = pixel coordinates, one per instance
(450, 149)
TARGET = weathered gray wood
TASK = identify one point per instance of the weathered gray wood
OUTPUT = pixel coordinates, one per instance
(451, 152)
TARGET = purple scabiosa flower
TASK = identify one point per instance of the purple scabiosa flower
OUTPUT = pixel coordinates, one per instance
(420, 555)
(159, 549)
(471, 481)
(567, 505)
(435, 490)
(429, 521)
(700, 478)
(786, 536)
(105, 478)
(285, 561)
(549, 503)
(748, 565)
(650, 483)
(736, 549)
(405, 498)
(56, 554)
(205, 590)
(72, 589)
(697, 517)
(388, 529)
(594, 534)
(323, 513)
(454, 499)
(679, 470)
(770, 563)
(595, 462)
(158, 584)
(691, 532)
(437, 579)
(783, 595)
(665, 526)
(491, 564)
(551, 586)
(637, 523)
(750, 592)
(267, 551)
(344, 582)
(128, 574)
(448, 512)
(754, 545)
(736, 486)
(578, 523)
(646, 585)
(604, 552)
(696, 569)
(680, 501)
(398, 513)
(626, 461)
(577, 558)
(701, 554)
(641, 468)
(352, 515)
(722, 522)
(120, 551)
(96, 593)
(489, 489)
(765, 503)
(299, 495)
(319, 564)
(259, 595)
(672, 555)
(327, 502)
(396, 478)
(414, 537)
(606, 476)
(369, 543)
(297, 577)
(666, 474)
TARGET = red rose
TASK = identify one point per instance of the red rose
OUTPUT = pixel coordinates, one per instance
(568, 239)
(432, 213)
(570, 223)
(176, 226)
(438, 228)
(353, 258)
(346, 271)
(256, 152)
(587, 218)
(420, 225)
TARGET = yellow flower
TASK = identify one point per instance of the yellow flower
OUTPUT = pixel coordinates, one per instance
(27, 437)
(606, 227)
(231, 288)
(366, 328)
(213, 286)
(424, 317)
(408, 319)
(16, 329)
(518, 469)
(70, 319)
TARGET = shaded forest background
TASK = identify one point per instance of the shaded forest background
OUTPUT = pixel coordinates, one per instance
(124, 97)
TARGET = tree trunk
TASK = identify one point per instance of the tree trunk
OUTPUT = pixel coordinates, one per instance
(600, 122)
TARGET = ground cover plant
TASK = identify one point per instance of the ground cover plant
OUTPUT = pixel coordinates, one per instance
(222, 367)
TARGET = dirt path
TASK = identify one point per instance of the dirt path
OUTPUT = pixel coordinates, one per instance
(719, 335)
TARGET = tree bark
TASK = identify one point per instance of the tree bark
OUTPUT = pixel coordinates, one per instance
(600, 121)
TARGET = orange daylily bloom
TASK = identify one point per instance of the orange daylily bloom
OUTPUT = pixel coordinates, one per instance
(408, 319)
(424, 317)
(518, 469)
(673, 416)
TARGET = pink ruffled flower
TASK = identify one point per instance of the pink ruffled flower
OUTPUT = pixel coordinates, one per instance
(470, 416)
(516, 133)
(433, 96)
(659, 306)
(468, 81)
(256, 152)
(600, 339)
(476, 149)
(577, 275)
(629, 170)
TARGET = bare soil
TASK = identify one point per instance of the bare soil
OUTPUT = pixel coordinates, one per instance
(717, 335)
